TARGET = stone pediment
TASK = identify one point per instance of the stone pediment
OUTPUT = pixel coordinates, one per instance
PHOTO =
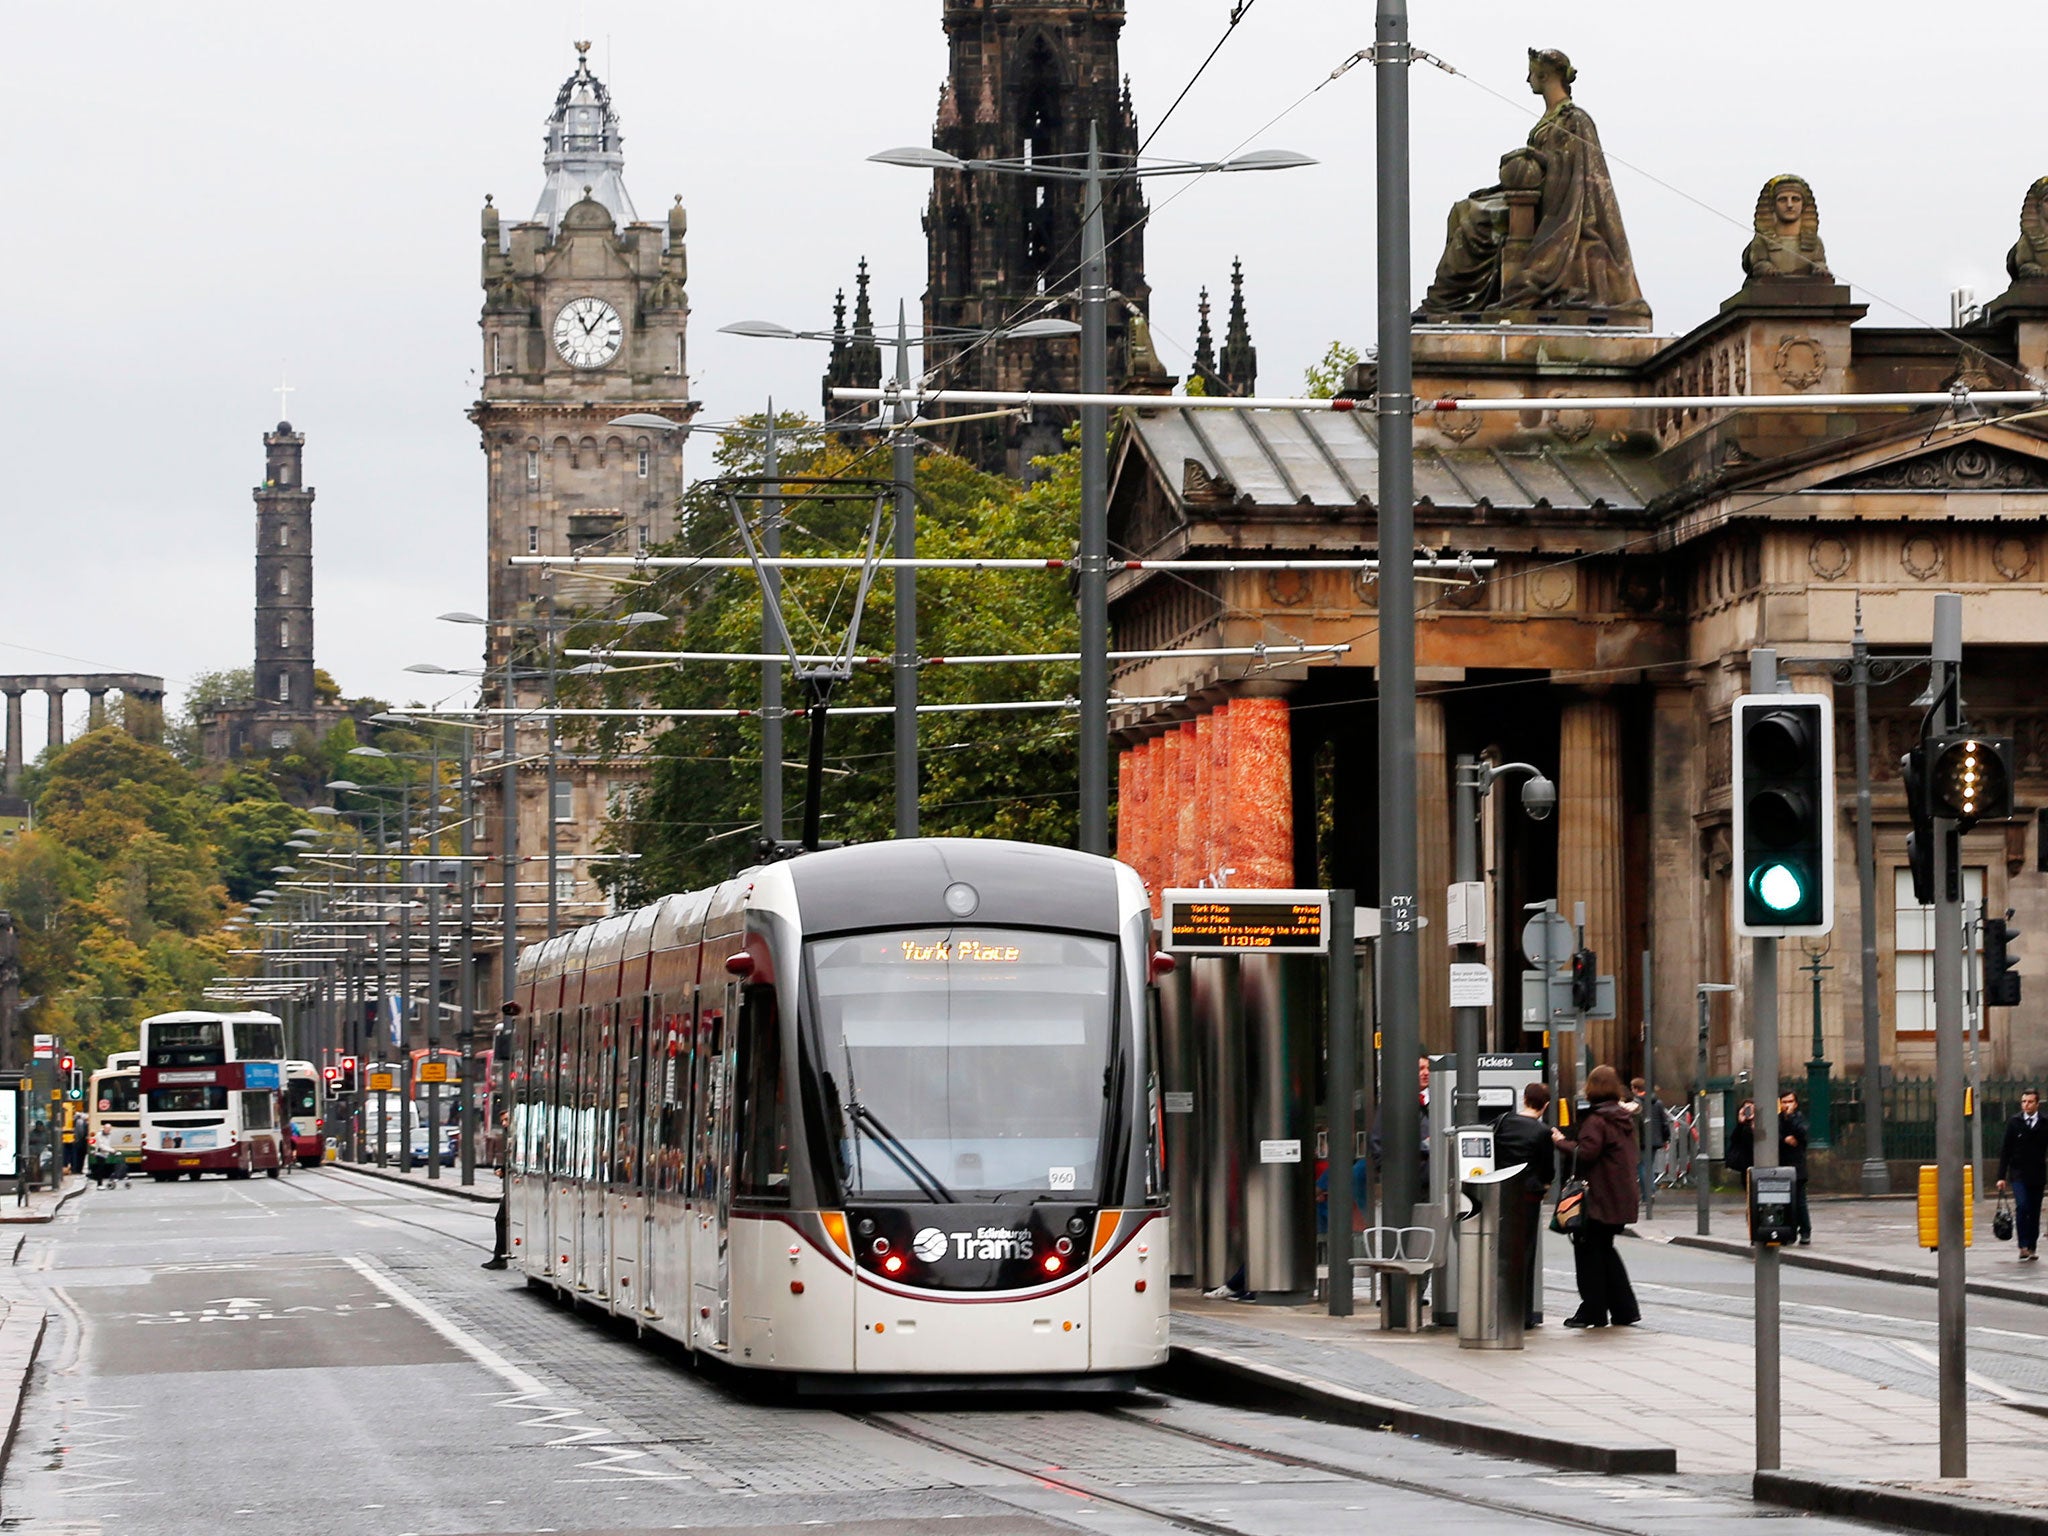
(1968, 466)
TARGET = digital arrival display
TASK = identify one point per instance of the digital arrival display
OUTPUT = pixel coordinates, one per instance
(1227, 922)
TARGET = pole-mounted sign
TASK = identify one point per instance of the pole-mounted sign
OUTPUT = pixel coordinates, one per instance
(1230, 922)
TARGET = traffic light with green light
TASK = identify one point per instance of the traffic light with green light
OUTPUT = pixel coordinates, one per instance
(1783, 789)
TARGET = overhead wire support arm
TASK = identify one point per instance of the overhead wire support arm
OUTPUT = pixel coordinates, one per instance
(991, 563)
(1954, 399)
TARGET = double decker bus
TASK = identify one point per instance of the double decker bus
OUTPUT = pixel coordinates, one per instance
(305, 1107)
(212, 1094)
(114, 1106)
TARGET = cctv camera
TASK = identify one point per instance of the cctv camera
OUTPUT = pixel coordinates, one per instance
(1539, 798)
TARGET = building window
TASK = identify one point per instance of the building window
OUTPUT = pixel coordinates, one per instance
(565, 887)
(643, 538)
(497, 355)
(565, 800)
(284, 631)
(533, 465)
(284, 474)
(1913, 950)
(533, 538)
(643, 463)
(284, 687)
(284, 536)
(284, 583)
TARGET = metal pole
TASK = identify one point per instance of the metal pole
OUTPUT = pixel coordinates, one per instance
(1398, 958)
(1094, 548)
(1973, 1015)
(1702, 1160)
(771, 642)
(1343, 1079)
(1649, 1118)
(1820, 1108)
(1467, 1024)
(554, 885)
(467, 1092)
(1763, 1005)
(508, 849)
(405, 1023)
(903, 469)
(1950, 1301)
(1876, 1177)
(380, 1036)
(434, 962)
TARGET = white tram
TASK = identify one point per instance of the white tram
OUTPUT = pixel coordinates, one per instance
(885, 1114)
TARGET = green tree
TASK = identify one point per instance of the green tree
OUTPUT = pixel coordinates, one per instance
(1327, 375)
(997, 774)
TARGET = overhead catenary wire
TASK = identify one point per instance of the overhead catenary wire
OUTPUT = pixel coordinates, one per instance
(978, 563)
(964, 661)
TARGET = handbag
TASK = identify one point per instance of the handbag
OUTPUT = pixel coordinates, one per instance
(1570, 1214)
(2001, 1219)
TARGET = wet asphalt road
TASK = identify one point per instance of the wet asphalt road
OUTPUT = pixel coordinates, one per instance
(322, 1354)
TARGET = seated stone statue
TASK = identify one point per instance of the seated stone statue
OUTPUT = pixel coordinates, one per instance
(1787, 239)
(1576, 257)
(2029, 256)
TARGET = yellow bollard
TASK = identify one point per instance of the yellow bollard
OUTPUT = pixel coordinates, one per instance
(1926, 1206)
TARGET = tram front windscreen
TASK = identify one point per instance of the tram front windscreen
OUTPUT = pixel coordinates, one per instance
(965, 1063)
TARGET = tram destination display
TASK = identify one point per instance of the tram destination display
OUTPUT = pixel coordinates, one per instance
(1227, 922)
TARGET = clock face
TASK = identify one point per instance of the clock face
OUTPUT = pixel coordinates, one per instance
(588, 332)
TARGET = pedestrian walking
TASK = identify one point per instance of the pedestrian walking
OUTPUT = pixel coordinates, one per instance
(1741, 1152)
(2023, 1165)
(1604, 1142)
(500, 1234)
(1655, 1130)
(1792, 1134)
(1520, 1136)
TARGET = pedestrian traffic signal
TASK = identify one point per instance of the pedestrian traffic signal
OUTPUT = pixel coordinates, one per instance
(1585, 981)
(2001, 965)
(1784, 811)
(1969, 779)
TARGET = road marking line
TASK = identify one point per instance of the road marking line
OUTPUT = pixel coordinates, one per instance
(481, 1353)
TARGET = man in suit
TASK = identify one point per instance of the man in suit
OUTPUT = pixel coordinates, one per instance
(1522, 1137)
(2023, 1165)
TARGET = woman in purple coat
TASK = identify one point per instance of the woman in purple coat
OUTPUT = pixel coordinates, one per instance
(1604, 1142)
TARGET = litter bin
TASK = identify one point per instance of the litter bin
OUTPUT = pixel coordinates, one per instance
(1491, 1262)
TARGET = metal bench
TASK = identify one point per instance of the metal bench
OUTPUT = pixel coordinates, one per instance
(1407, 1252)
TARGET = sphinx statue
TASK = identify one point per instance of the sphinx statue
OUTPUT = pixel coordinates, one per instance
(1787, 238)
(1548, 236)
(2029, 255)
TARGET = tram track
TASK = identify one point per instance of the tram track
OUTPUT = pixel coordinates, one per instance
(906, 1426)
(394, 1192)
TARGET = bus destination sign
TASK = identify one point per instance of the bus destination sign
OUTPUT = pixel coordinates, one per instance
(1228, 922)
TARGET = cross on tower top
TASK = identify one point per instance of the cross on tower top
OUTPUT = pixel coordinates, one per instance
(283, 389)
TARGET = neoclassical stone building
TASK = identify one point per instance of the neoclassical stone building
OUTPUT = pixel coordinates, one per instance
(1639, 556)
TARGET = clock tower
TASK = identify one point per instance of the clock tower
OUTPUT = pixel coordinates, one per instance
(584, 315)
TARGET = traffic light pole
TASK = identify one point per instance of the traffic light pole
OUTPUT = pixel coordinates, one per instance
(1950, 1301)
(1763, 1004)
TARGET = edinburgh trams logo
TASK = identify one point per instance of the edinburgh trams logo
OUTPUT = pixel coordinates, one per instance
(982, 1243)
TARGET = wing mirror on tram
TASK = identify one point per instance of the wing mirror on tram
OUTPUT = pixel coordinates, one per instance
(1163, 964)
(740, 965)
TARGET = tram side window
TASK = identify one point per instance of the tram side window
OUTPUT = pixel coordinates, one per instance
(628, 1095)
(762, 1130)
(672, 1130)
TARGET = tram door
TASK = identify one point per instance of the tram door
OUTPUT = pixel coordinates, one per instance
(602, 1042)
(665, 1246)
(569, 1070)
(623, 1225)
(710, 1167)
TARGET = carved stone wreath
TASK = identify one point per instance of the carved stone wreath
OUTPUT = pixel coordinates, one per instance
(2013, 558)
(1828, 558)
(1570, 423)
(1801, 362)
(1921, 556)
(1458, 426)
(1552, 587)
(1466, 595)
(1288, 588)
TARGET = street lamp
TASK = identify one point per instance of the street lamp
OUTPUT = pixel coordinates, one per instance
(903, 470)
(1094, 532)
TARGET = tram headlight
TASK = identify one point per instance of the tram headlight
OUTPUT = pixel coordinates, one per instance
(893, 1264)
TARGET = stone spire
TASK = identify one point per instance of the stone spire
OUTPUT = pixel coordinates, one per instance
(583, 151)
(1205, 343)
(1240, 368)
(856, 357)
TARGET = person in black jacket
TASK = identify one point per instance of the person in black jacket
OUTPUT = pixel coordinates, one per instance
(1741, 1151)
(2023, 1163)
(1522, 1137)
(1792, 1135)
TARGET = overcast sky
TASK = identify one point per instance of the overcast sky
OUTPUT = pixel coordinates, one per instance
(201, 196)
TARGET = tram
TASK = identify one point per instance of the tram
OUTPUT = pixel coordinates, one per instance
(114, 1106)
(305, 1108)
(212, 1094)
(876, 1117)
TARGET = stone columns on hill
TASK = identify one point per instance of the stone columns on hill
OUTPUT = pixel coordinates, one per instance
(1589, 855)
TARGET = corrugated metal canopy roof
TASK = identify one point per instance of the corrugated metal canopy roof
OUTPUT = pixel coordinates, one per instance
(1331, 459)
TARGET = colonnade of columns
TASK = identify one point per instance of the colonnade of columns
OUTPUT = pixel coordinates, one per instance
(143, 715)
(1211, 802)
